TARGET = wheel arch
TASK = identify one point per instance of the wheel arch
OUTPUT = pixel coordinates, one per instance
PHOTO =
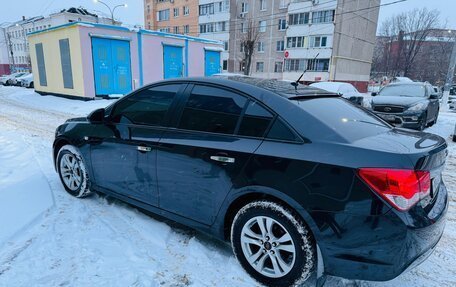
(243, 198)
(58, 144)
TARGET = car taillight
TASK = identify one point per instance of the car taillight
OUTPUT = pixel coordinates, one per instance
(402, 188)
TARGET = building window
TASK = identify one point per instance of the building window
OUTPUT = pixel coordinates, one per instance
(244, 7)
(295, 65)
(295, 42)
(243, 28)
(163, 15)
(213, 27)
(241, 48)
(323, 16)
(282, 24)
(318, 65)
(164, 30)
(280, 45)
(186, 10)
(259, 67)
(263, 5)
(176, 12)
(318, 42)
(225, 45)
(206, 9)
(278, 66)
(186, 29)
(262, 25)
(260, 47)
(298, 19)
(148, 9)
(176, 29)
(283, 4)
(225, 65)
(149, 26)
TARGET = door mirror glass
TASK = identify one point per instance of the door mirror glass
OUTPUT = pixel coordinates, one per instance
(374, 94)
(434, 97)
(96, 116)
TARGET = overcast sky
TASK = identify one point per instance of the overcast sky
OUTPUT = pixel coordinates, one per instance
(14, 10)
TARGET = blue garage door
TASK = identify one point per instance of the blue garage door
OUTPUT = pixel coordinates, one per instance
(111, 66)
(172, 61)
(212, 62)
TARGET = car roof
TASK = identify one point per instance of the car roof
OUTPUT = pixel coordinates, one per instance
(408, 84)
(256, 87)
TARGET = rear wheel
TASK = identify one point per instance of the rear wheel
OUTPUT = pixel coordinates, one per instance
(272, 244)
(73, 172)
(31, 85)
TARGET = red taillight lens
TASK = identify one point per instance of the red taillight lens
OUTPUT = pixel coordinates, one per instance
(402, 188)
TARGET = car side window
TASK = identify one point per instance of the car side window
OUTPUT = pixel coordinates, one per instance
(255, 120)
(146, 107)
(211, 109)
(280, 131)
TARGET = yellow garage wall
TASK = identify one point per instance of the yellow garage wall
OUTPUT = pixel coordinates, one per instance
(50, 40)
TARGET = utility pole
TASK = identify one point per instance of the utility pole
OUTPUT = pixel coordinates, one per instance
(111, 10)
(449, 79)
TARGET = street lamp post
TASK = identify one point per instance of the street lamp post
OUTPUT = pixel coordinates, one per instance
(111, 10)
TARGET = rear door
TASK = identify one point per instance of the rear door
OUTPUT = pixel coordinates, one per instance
(200, 158)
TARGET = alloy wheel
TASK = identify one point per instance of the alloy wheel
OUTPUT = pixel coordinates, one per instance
(70, 171)
(268, 246)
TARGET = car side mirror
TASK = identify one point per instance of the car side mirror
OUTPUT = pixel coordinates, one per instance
(373, 94)
(97, 116)
(434, 97)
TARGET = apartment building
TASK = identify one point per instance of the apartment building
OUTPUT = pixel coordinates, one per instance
(332, 40)
(172, 16)
(265, 21)
(14, 41)
(214, 24)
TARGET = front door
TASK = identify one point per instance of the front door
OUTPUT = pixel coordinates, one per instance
(172, 61)
(211, 62)
(123, 151)
(201, 157)
(111, 66)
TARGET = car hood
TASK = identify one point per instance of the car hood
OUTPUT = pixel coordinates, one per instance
(397, 100)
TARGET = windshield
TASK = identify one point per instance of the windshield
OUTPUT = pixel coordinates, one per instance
(404, 91)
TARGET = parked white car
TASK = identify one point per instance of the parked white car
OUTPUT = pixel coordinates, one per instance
(6, 80)
(347, 90)
(17, 81)
(26, 81)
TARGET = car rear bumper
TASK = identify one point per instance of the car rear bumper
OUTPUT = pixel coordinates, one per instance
(397, 242)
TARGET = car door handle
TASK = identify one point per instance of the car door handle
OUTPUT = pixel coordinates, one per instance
(144, 148)
(223, 159)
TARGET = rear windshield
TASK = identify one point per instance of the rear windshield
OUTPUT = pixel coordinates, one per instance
(341, 118)
(404, 91)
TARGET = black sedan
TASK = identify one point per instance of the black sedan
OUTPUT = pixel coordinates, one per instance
(408, 105)
(299, 180)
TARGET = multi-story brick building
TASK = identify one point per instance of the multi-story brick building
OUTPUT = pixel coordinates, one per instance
(333, 40)
(172, 16)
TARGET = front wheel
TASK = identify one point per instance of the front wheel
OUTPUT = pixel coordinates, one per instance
(272, 244)
(73, 172)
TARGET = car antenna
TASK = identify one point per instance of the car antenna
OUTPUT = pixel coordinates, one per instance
(296, 84)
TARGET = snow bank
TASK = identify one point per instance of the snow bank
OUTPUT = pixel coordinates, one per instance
(24, 191)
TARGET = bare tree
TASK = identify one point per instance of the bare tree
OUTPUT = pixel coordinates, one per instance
(249, 41)
(403, 38)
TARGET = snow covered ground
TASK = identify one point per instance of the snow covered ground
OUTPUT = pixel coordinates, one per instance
(99, 241)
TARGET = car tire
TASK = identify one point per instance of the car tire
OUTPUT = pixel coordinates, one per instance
(283, 237)
(423, 123)
(72, 172)
(31, 85)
